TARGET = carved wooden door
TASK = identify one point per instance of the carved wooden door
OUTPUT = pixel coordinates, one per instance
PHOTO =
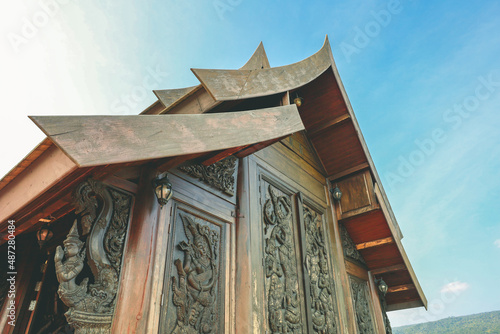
(299, 292)
(195, 276)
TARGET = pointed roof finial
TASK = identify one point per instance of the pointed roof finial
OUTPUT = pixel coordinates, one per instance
(258, 60)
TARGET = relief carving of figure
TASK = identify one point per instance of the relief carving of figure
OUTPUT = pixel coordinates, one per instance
(195, 290)
(71, 293)
(283, 302)
(322, 292)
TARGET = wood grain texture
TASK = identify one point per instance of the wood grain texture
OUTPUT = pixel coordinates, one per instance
(99, 140)
(226, 85)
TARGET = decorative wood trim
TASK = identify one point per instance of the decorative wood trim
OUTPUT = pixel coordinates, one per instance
(375, 243)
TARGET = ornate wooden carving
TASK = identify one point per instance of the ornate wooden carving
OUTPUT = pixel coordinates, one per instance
(359, 290)
(349, 246)
(105, 215)
(219, 175)
(195, 290)
(194, 278)
(281, 284)
(322, 290)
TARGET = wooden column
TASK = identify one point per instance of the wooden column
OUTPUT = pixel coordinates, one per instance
(346, 309)
(137, 277)
(244, 282)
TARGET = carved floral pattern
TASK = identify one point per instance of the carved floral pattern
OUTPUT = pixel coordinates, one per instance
(195, 290)
(321, 284)
(349, 246)
(283, 303)
(219, 175)
(359, 292)
(104, 217)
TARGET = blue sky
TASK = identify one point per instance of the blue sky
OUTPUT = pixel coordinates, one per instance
(423, 78)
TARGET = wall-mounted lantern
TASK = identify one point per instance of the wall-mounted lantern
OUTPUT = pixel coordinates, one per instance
(43, 235)
(382, 286)
(336, 193)
(163, 190)
(298, 100)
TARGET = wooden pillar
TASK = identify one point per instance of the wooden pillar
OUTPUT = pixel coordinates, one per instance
(137, 277)
(244, 280)
(346, 309)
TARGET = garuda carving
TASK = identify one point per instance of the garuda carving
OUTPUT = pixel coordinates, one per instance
(349, 246)
(283, 305)
(195, 289)
(361, 307)
(219, 175)
(105, 214)
(321, 285)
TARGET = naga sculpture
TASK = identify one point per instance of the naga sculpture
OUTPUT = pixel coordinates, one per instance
(195, 289)
(104, 216)
(283, 304)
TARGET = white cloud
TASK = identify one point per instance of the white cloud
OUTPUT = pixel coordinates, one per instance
(497, 243)
(455, 287)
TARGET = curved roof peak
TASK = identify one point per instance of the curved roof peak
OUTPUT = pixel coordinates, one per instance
(258, 60)
(226, 85)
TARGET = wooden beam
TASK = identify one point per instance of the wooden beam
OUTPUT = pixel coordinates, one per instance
(399, 288)
(356, 270)
(121, 183)
(101, 140)
(389, 269)
(394, 230)
(405, 305)
(327, 125)
(50, 168)
(375, 243)
(349, 171)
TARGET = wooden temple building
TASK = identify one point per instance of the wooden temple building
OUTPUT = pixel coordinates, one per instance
(246, 204)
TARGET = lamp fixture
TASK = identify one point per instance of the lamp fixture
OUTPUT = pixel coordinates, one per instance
(43, 235)
(163, 190)
(298, 100)
(382, 286)
(336, 193)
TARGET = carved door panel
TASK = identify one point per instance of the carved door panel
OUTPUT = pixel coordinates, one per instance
(195, 275)
(362, 306)
(299, 287)
(318, 273)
